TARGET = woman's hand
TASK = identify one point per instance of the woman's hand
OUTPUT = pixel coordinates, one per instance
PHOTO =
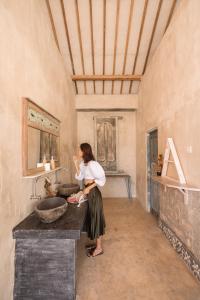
(86, 191)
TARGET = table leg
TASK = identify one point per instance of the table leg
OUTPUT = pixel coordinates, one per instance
(128, 186)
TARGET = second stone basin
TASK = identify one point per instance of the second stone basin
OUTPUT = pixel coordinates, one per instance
(68, 189)
(51, 209)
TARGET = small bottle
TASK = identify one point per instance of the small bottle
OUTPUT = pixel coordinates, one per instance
(44, 160)
(52, 163)
(159, 165)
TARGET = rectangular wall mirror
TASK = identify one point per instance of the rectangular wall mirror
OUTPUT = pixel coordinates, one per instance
(41, 138)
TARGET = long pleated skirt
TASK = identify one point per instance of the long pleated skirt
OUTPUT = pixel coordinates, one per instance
(95, 220)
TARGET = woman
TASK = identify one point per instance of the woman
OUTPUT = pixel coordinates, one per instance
(93, 174)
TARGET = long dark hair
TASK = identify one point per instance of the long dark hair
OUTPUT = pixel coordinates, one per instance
(87, 152)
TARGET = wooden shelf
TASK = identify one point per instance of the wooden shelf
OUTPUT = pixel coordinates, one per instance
(170, 182)
(116, 174)
(44, 173)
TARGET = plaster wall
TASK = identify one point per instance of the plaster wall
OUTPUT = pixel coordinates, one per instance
(114, 187)
(106, 102)
(31, 66)
(169, 96)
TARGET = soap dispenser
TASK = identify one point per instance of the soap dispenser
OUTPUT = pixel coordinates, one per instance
(52, 163)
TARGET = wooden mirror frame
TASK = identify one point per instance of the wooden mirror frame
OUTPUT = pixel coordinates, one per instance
(27, 122)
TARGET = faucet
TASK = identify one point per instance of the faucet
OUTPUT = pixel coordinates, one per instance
(34, 195)
(48, 188)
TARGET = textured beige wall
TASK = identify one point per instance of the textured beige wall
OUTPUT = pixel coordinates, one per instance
(115, 187)
(31, 66)
(169, 95)
(106, 101)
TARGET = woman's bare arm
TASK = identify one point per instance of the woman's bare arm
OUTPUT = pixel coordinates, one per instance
(88, 188)
(76, 163)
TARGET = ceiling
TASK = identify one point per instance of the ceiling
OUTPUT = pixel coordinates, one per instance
(114, 39)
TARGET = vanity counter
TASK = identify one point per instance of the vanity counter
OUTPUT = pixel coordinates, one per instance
(69, 226)
(45, 256)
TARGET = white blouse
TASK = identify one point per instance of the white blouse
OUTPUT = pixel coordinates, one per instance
(92, 170)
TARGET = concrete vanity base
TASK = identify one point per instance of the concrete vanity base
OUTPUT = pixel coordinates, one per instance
(45, 256)
(45, 269)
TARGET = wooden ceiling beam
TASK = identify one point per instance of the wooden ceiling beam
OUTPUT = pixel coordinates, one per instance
(115, 43)
(127, 41)
(139, 41)
(152, 34)
(170, 14)
(68, 40)
(80, 41)
(106, 77)
(92, 42)
(52, 24)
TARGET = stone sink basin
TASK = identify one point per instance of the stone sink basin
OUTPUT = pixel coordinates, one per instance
(68, 189)
(51, 209)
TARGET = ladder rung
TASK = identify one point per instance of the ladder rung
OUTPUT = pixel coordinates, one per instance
(170, 161)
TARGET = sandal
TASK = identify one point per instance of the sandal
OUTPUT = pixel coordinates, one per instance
(91, 251)
(90, 246)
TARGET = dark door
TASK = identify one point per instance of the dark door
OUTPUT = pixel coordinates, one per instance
(152, 149)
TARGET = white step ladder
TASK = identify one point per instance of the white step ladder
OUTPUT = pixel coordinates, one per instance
(170, 147)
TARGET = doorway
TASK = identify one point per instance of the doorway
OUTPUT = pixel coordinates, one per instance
(152, 156)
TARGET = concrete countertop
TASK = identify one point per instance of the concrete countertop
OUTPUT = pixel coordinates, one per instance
(69, 226)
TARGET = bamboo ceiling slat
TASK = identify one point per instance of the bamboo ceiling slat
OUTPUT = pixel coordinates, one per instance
(115, 43)
(80, 42)
(68, 40)
(52, 23)
(127, 41)
(152, 34)
(92, 42)
(139, 40)
(170, 14)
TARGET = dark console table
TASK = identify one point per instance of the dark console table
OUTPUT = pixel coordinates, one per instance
(45, 256)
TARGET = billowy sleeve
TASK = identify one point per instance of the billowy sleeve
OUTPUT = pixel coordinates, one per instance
(81, 174)
(98, 173)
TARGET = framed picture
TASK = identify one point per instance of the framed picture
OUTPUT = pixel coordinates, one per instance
(106, 141)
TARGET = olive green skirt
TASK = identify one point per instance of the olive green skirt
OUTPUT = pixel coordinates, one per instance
(95, 220)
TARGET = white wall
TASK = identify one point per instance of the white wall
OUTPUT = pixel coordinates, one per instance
(31, 66)
(115, 187)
